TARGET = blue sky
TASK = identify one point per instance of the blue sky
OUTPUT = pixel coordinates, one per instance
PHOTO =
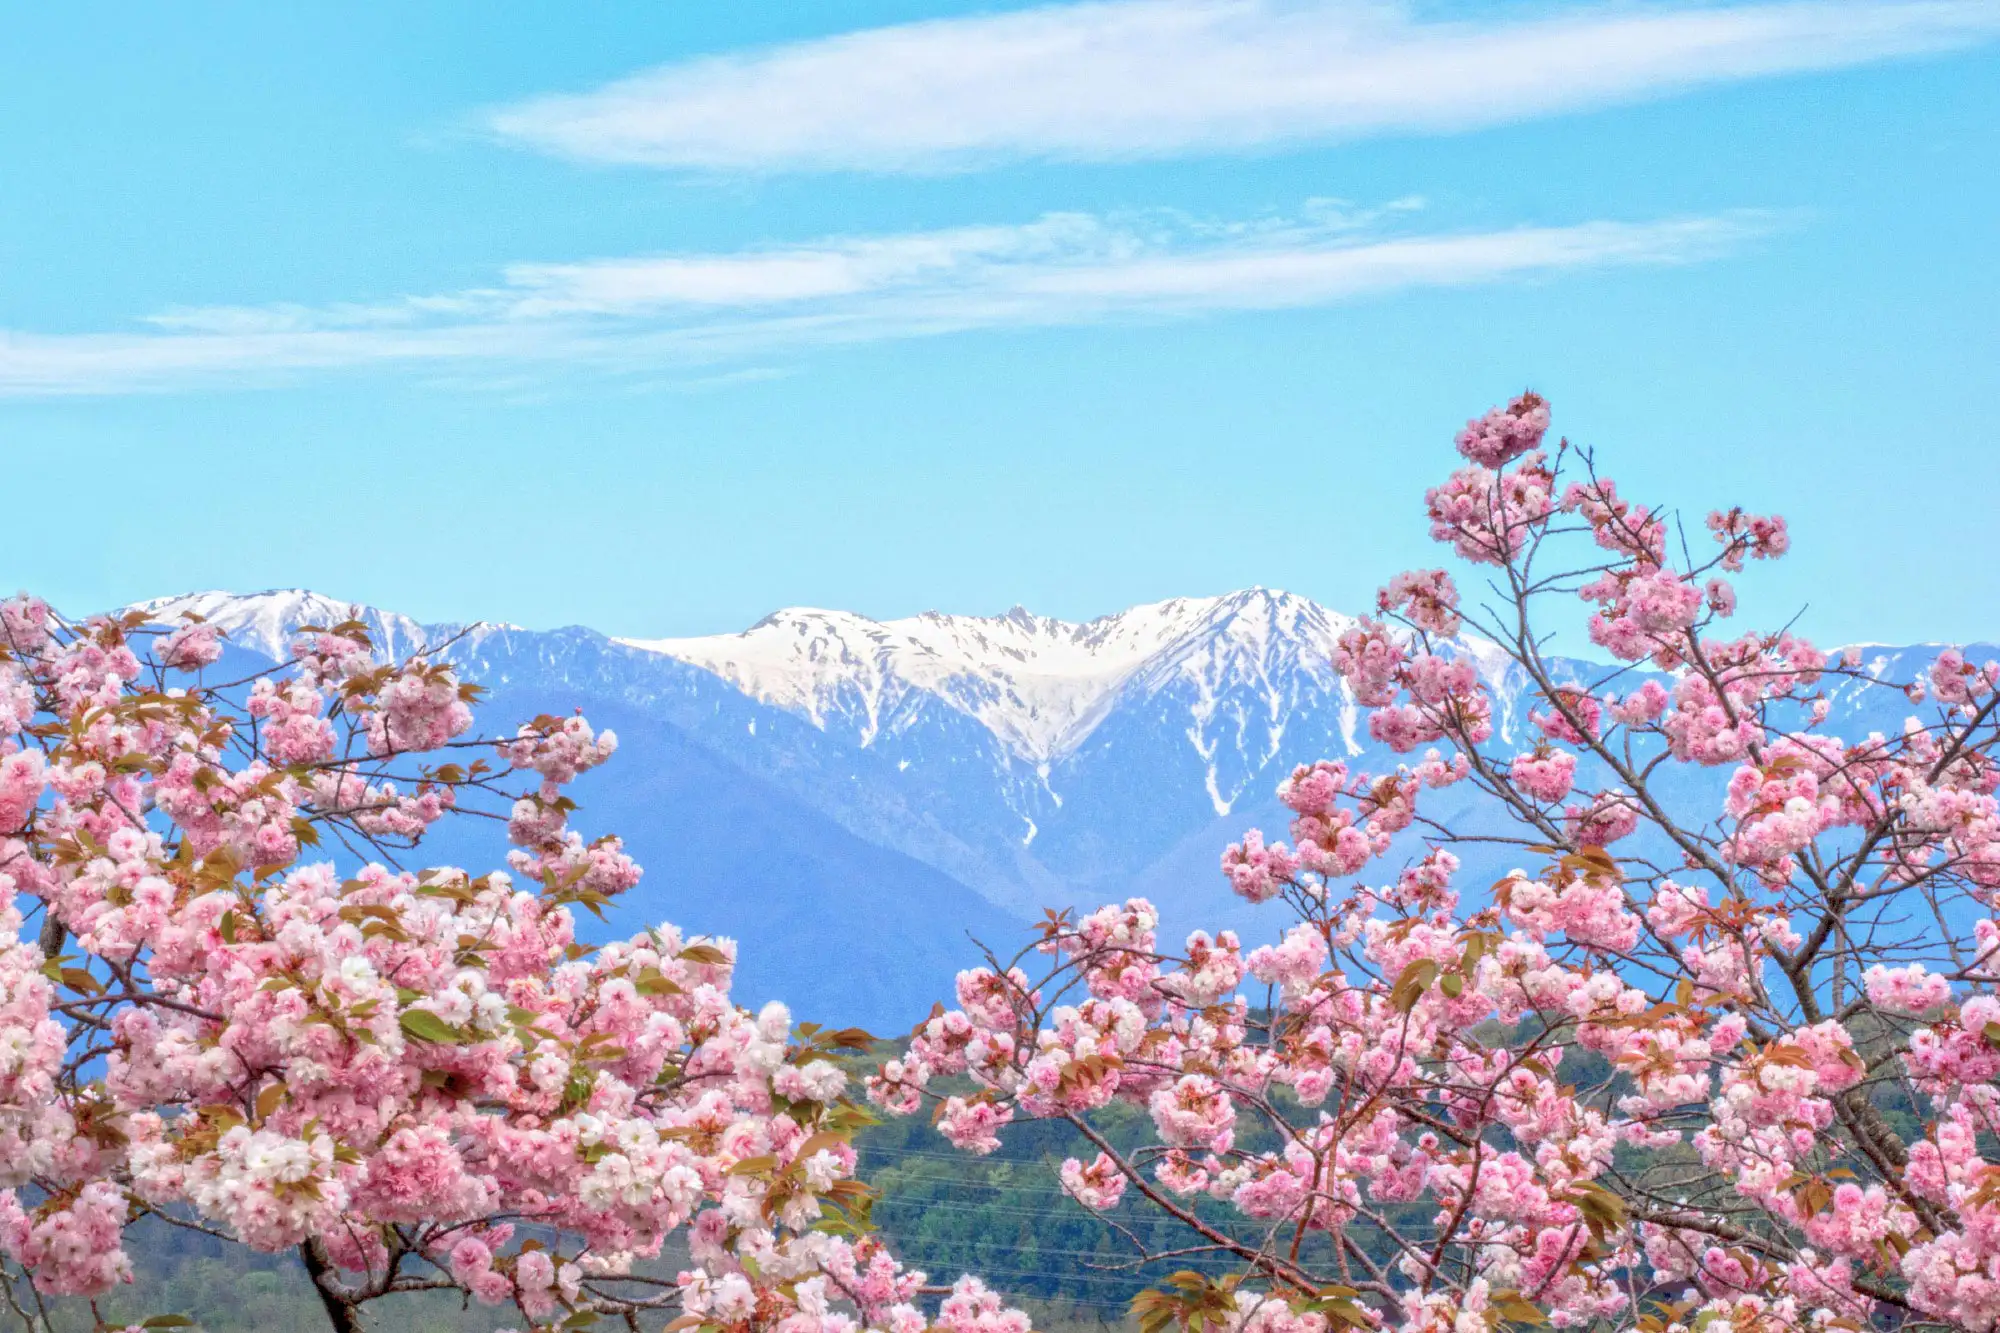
(656, 317)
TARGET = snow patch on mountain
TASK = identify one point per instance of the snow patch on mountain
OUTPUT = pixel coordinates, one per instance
(266, 622)
(1235, 669)
(1038, 684)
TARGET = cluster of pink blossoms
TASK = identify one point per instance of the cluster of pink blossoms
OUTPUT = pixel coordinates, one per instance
(1505, 433)
(1721, 1055)
(407, 1077)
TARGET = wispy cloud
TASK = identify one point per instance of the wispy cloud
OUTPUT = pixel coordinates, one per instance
(1141, 78)
(645, 315)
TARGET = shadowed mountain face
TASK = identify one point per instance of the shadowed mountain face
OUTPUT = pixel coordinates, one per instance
(851, 798)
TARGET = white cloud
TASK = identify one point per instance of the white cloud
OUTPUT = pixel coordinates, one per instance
(642, 315)
(1143, 78)
(773, 277)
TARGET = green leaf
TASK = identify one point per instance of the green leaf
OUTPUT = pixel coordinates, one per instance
(1347, 1312)
(1521, 1312)
(651, 981)
(427, 1026)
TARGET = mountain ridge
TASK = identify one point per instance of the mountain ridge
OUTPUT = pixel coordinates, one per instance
(1038, 683)
(1034, 761)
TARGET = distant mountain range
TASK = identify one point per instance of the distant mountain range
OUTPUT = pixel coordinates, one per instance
(852, 798)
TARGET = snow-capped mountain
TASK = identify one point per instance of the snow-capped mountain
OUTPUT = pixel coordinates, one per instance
(266, 622)
(1034, 759)
(1040, 685)
(1041, 760)
(1209, 699)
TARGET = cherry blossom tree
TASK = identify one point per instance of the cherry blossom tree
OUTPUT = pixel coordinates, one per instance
(414, 1079)
(1719, 1055)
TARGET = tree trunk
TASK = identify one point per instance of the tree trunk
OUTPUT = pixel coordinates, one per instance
(340, 1309)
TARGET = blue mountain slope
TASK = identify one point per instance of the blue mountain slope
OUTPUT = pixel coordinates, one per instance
(842, 930)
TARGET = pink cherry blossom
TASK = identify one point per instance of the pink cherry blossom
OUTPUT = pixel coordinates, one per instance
(1099, 1186)
(1427, 598)
(1906, 990)
(216, 1006)
(1545, 776)
(1505, 433)
(1765, 958)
